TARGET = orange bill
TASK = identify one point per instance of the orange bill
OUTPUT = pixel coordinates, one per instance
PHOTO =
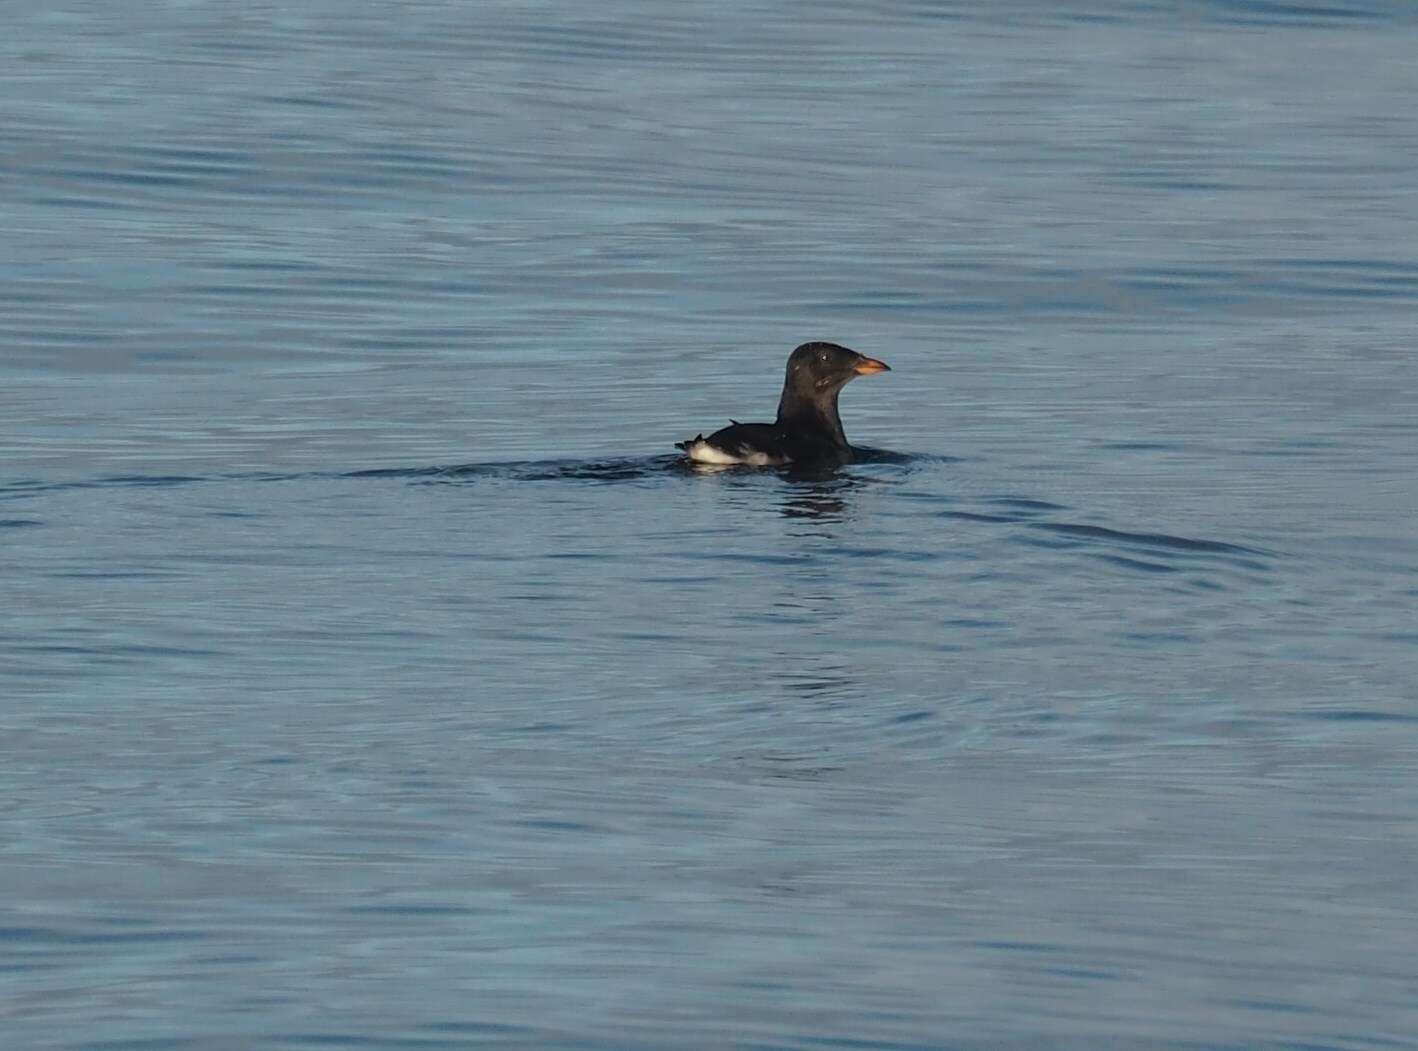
(867, 366)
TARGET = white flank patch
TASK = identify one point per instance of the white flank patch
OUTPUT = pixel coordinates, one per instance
(702, 452)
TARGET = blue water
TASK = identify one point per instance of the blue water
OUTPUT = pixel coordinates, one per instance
(373, 675)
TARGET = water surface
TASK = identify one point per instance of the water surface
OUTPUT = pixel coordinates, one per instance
(372, 675)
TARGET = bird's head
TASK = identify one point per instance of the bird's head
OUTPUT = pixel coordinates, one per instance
(815, 369)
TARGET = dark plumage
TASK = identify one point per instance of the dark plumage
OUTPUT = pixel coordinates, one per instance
(808, 429)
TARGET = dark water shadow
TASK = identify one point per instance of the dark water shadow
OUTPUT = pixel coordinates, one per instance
(869, 454)
(613, 469)
(814, 492)
(631, 468)
(617, 469)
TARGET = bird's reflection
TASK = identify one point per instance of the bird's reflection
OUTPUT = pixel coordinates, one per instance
(824, 495)
(821, 492)
(814, 503)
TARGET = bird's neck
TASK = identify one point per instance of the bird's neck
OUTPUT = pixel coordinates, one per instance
(817, 415)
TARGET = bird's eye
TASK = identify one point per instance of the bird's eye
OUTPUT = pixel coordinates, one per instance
(822, 357)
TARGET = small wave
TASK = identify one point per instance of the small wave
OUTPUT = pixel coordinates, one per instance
(1152, 553)
(617, 469)
(33, 486)
(1153, 540)
(1295, 12)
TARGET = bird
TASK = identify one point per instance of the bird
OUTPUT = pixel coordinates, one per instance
(808, 430)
